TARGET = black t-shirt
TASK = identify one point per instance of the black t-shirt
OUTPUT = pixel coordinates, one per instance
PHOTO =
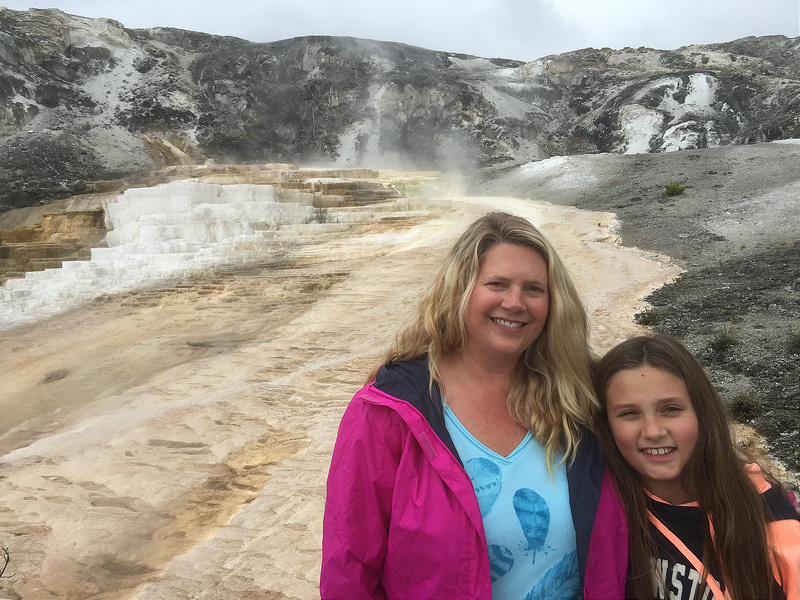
(679, 579)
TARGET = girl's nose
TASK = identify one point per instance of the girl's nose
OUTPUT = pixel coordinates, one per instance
(653, 428)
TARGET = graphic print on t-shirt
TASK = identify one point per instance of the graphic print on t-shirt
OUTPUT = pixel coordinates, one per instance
(526, 517)
(534, 517)
(528, 514)
(487, 481)
(677, 581)
(562, 581)
(500, 561)
(674, 578)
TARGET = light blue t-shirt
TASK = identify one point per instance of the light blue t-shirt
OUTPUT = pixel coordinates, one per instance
(526, 517)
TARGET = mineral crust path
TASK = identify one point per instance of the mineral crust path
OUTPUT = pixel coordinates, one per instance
(174, 443)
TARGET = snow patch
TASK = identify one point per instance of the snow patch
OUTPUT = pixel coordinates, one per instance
(639, 126)
(557, 173)
(701, 94)
(544, 166)
(682, 137)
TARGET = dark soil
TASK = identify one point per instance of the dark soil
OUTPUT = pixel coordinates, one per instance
(736, 232)
(742, 321)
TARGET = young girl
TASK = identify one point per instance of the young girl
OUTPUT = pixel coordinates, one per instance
(701, 522)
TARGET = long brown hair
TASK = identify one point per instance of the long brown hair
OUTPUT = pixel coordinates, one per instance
(714, 475)
(551, 392)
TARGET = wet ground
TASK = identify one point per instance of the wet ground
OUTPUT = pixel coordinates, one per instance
(173, 443)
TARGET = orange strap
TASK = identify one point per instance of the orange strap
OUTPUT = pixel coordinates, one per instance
(696, 563)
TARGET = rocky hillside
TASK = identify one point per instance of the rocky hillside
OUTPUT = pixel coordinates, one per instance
(83, 100)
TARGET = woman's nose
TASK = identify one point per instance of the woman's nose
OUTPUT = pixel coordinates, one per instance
(513, 300)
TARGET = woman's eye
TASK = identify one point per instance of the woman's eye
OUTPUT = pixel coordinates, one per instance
(673, 409)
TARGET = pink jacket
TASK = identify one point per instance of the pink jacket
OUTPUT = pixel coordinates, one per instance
(402, 520)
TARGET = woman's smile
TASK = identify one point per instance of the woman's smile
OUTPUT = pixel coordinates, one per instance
(506, 323)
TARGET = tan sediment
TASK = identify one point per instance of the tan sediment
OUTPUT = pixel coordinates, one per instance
(174, 443)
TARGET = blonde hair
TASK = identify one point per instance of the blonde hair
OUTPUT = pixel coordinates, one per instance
(551, 392)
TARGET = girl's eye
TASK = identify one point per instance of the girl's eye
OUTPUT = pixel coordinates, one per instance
(626, 414)
(673, 409)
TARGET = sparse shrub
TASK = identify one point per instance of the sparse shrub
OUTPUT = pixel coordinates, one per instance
(321, 215)
(673, 189)
(723, 339)
(650, 317)
(745, 407)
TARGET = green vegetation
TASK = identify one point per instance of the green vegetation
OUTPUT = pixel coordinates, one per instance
(650, 317)
(745, 407)
(724, 339)
(673, 189)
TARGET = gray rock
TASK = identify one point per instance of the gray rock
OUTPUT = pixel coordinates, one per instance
(77, 95)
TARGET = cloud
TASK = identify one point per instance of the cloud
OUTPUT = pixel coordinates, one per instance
(518, 29)
(667, 25)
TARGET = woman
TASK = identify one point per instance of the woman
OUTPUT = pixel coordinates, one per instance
(464, 469)
(702, 521)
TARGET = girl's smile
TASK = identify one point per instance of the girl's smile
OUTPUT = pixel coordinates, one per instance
(655, 428)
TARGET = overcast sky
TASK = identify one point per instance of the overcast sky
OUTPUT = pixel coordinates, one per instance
(518, 29)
